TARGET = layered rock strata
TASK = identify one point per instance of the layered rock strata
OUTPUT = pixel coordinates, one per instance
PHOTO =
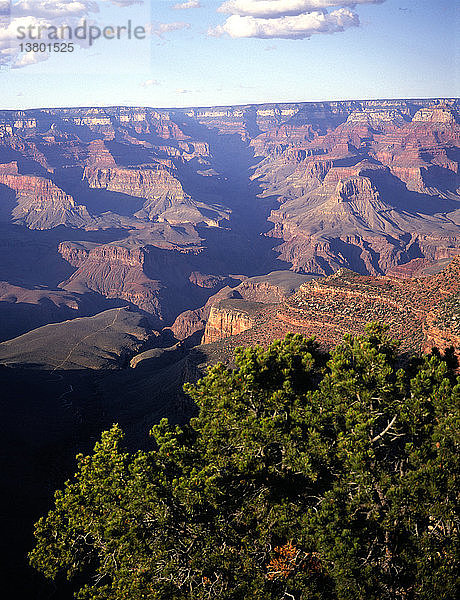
(40, 204)
(377, 191)
(421, 312)
(364, 185)
(263, 289)
(228, 318)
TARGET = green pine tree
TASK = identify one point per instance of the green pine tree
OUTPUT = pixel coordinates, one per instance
(303, 476)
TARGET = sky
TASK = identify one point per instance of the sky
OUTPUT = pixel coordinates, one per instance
(226, 52)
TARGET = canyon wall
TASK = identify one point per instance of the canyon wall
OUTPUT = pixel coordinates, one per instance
(157, 207)
(228, 318)
(266, 289)
(420, 312)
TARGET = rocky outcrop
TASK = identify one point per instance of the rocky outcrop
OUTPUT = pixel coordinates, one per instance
(437, 114)
(228, 318)
(117, 272)
(164, 194)
(182, 209)
(206, 280)
(266, 289)
(149, 182)
(40, 204)
(421, 312)
(75, 253)
(190, 322)
(377, 118)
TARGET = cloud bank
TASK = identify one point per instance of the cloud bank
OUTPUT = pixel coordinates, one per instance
(284, 8)
(287, 19)
(297, 27)
(22, 14)
(187, 5)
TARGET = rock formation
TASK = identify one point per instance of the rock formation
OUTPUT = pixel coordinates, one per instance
(421, 312)
(266, 289)
(39, 203)
(229, 317)
(164, 194)
(375, 192)
(167, 203)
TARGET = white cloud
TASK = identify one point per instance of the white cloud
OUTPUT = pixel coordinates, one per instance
(124, 3)
(62, 9)
(187, 5)
(48, 15)
(54, 9)
(149, 83)
(29, 29)
(288, 19)
(284, 8)
(38, 14)
(161, 28)
(30, 58)
(9, 42)
(290, 27)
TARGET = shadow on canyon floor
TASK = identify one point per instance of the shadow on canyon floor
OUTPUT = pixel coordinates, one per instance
(234, 160)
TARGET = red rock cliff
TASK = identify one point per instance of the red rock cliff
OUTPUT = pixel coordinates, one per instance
(227, 318)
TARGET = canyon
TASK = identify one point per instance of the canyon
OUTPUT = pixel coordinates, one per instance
(139, 245)
(208, 222)
(143, 205)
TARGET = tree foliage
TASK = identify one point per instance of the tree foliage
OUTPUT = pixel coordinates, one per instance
(301, 477)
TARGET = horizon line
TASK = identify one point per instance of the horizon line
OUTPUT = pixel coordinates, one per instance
(239, 105)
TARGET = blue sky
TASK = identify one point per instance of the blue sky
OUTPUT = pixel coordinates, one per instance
(249, 51)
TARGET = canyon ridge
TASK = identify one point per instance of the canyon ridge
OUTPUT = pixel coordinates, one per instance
(160, 209)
